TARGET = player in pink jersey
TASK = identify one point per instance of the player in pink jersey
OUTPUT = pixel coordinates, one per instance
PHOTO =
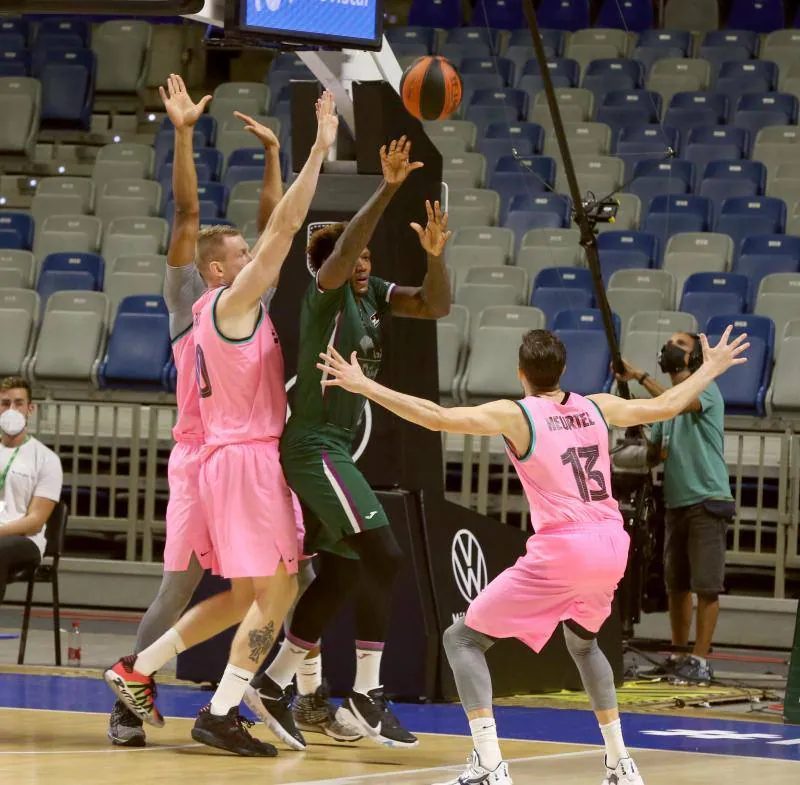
(188, 546)
(558, 443)
(248, 506)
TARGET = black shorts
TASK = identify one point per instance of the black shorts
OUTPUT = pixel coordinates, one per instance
(695, 543)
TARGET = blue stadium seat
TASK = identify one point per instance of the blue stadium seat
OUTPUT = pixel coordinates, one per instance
(649, 55)
(435, 13)
(138, 355)
(209, 159)
(248, 164)
(533, 83)
(91, 264)
(629, 107)
(165, 144)
(715, 143)
(533, 132)
(734, 39)
(495, 149)
(761, 255)
(671, 39)
(563, 14)
(206, 126)
(561, 68)
(588, 361)
(724, 179)
(760, 16)
(426, 36)
(653, 177)
(472, 37)
(505, 97)
(522, 221)
(736, 79)
(627, 250)
(484, 116)
(14, 62)
(607, 74)
(717, 56)
(504, 14)
(709, 294)
(209, 210)
(457, 53)
(638, 142)
(564, 278)
(164, 177)
(500, 68)
(759, 110)
(14, 33)
(631, 15)
(215, 194)
(67, 77)
(585, 319)
(16, 230)
(472, 83)
(62, 281)
(688, 110)
(744, 387)
(528, 175)
(555, 209)
(216, 222)
(669, 215)
(551, 300)
(742, 217)
(53, 30)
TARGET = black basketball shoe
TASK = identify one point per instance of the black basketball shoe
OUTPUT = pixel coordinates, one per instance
(273, 706)
(229, 733)
(372, 714)
(125, 728)
(314, 713)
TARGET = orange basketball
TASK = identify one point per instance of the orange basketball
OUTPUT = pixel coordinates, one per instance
(431, 88)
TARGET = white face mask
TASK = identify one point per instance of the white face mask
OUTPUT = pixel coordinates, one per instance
(12, 422)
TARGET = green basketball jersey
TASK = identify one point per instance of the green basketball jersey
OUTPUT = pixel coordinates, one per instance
(336, 317)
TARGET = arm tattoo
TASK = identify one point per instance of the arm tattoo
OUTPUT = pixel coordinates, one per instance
(261, 641)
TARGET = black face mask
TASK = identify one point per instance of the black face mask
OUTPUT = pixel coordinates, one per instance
(672, 359)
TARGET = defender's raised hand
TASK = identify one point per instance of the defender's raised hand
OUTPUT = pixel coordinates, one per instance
(183, 112)
(396, 163)
(434, 236)
(327, 121)
(337, 372)
(724, 355)
(264, 135)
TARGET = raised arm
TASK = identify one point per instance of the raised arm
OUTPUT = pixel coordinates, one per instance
(338, 267)
(184, 114)
(498, 418)
(432, 299)
(716, 360)
(272, 185)
(263, 271)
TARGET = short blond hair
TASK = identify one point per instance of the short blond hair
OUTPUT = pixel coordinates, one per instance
(209, 243)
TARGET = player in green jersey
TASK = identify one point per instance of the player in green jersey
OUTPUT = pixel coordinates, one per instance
(345, 523)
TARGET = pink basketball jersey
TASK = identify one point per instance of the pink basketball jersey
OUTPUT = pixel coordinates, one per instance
(567, 473)
(240, 382)
(189, 425)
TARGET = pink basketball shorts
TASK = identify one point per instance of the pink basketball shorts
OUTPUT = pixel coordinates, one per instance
(187, 531)
(301, 529)
(570, 572)
(249, 510)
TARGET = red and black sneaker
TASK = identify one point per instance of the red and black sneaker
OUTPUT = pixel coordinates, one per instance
(135, 690)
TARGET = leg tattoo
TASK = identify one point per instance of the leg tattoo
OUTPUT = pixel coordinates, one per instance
(261, 641)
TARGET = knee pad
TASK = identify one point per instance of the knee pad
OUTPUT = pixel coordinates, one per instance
(458, 635)
(578, 644)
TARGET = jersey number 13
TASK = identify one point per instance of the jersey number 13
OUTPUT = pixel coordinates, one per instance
(582, 461)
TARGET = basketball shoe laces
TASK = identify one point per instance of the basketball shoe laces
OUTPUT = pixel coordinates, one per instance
(243, 723)
(144, 694)
(321, 710)
(388, 720)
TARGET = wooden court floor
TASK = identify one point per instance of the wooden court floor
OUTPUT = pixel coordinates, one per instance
(65, 742)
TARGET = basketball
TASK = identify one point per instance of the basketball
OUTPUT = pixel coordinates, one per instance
(431, 88)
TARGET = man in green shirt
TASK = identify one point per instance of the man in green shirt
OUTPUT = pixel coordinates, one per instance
(345, 523)
(698, 501)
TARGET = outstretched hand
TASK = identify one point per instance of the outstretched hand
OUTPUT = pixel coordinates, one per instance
(396, 163)
(337, 372)
(434, 236)
(264, 135)
(327, 121)
(181, 110)
(724, 355)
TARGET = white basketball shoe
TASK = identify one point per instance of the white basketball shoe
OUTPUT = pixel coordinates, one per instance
(476, 774)
(626, 773)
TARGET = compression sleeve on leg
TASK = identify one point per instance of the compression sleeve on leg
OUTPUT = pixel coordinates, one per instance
(466, 652)
(594, 668)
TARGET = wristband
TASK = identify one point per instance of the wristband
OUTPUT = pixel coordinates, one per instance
(642, 378)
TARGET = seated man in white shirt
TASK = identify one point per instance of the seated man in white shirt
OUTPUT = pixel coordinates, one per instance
(30, 482)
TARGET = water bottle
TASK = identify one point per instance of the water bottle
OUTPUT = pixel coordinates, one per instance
(74, 646)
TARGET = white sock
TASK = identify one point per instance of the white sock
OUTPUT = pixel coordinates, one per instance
(484, 737)
(158, 654)
(615, 744)
(309, 675)
(286, 663)
(231, 689)
(368, 670)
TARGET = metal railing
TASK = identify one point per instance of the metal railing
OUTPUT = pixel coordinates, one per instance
(115, 457)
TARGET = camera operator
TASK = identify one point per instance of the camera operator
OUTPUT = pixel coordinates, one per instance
(698, 502)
